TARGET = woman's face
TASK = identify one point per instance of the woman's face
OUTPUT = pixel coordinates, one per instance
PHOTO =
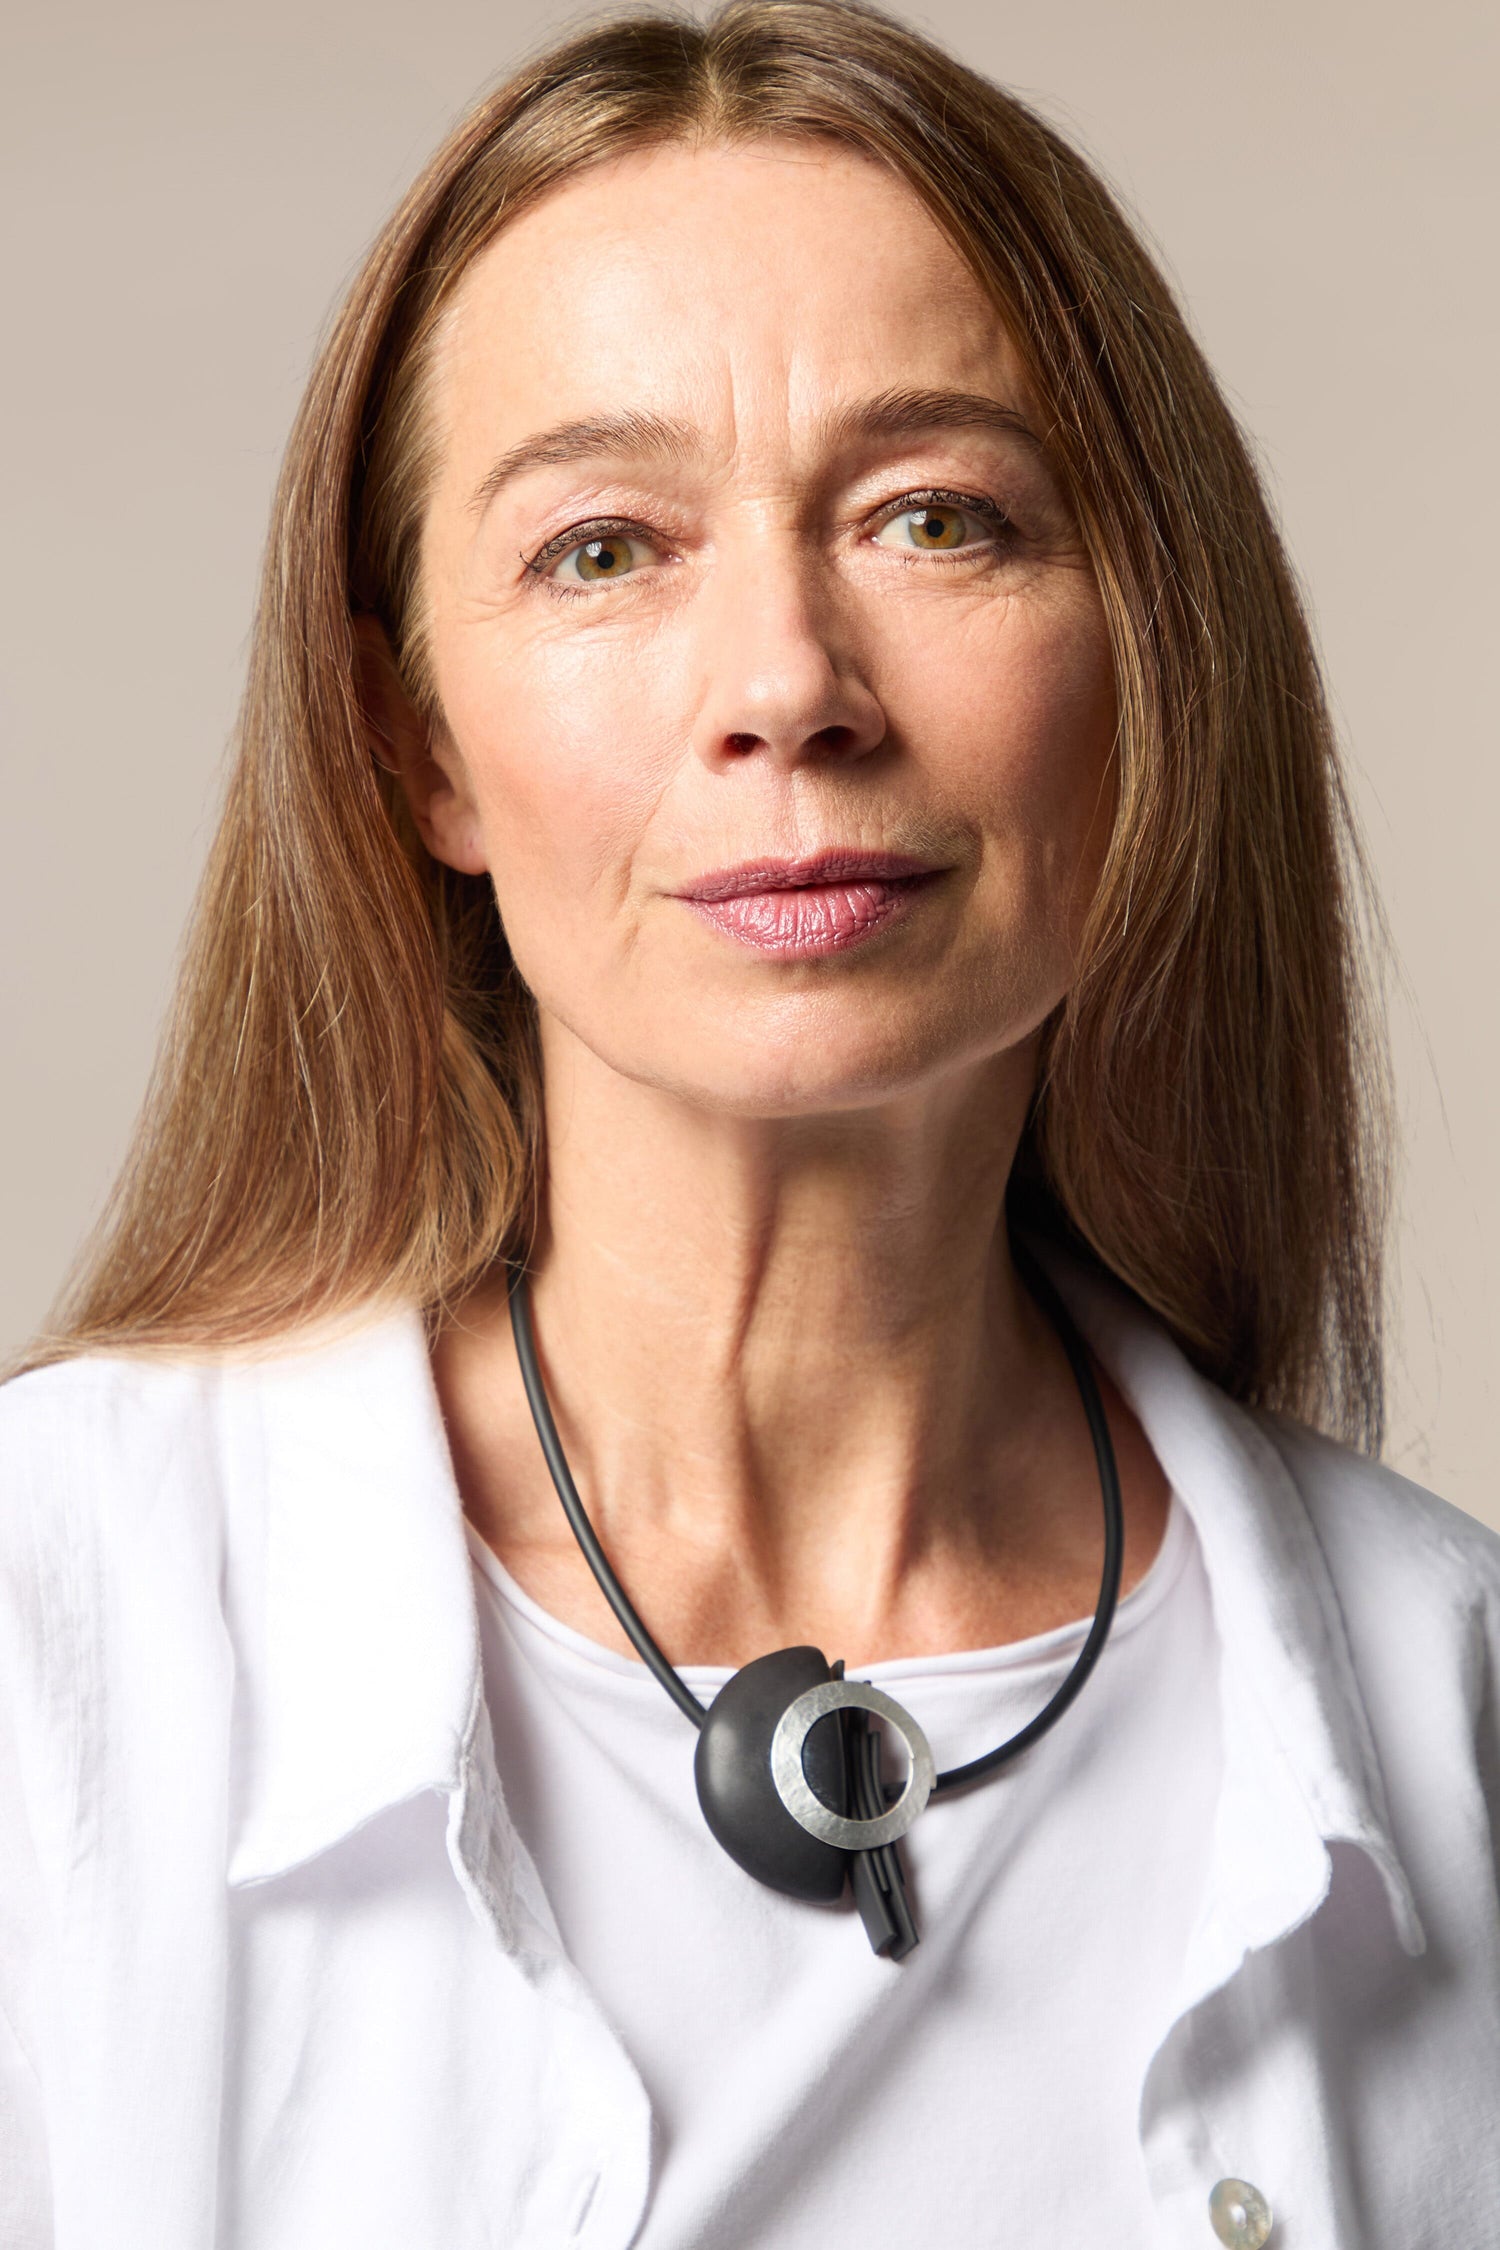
(776, 694)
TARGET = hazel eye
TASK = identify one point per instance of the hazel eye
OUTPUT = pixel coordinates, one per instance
(933, 528)
(594, 562)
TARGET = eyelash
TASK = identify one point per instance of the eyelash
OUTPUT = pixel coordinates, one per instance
(580, 535)
(988, 512)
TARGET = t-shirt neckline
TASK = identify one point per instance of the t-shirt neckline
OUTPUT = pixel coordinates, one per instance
(1036, 1650)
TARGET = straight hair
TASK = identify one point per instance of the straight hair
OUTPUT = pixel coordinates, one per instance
(346, 1107)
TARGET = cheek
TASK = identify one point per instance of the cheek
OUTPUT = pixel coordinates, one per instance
(1032, 729)
(568, 751)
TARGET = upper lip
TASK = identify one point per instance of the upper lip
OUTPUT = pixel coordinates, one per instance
(836, 866)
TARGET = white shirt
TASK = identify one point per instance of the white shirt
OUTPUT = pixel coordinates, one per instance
(277, 1973)
(805, 2093)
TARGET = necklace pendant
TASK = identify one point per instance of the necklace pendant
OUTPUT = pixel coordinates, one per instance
(788, 1774)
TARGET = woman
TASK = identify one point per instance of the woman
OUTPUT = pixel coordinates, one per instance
(785, 800)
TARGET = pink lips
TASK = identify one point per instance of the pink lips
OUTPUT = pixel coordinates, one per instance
(799, 909)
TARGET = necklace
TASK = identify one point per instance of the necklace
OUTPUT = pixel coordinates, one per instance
(788, 1766)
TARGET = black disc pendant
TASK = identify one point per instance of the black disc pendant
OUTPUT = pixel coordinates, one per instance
(738, 1792)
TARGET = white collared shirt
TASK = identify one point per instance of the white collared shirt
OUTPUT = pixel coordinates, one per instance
(276, 1972)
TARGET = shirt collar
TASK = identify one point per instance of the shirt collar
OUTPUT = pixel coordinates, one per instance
(351, 1602)
(350, 1598)
(1300, 1765)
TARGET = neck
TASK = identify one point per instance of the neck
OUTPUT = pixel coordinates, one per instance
(783, 1327)
(801, 1390)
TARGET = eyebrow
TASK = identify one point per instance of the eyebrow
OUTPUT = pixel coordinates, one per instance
(631, 436)
(906, 413)
(644, 436)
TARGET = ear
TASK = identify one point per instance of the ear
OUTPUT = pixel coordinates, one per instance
(422, 755)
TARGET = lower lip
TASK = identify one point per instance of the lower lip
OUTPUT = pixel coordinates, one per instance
(822, 918)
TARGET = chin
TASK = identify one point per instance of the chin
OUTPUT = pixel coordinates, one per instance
(809, 1073)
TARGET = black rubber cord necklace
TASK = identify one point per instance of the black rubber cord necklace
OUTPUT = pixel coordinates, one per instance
(788, 1764)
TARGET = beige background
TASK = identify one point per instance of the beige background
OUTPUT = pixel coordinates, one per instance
(188, 186)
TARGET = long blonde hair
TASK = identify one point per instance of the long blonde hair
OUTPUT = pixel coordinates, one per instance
(346, 1104)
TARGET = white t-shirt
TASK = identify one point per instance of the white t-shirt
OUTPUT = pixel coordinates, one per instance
(808, 2095)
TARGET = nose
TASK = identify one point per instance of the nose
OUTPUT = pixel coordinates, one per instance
(780, 679)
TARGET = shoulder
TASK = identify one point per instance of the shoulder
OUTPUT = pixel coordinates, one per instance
(1386, 1537)
(110, 1518)
(136, 1521)
(120, 1472)
(91, 1450)
(112, 1643)
(56, 1420)
(107, 1432)
(1417, 1584)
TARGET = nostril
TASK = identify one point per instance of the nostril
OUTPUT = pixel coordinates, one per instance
(743, 741)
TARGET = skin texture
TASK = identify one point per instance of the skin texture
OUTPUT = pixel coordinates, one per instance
(826, 608)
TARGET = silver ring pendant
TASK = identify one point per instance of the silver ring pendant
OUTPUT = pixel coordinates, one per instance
(807, 1809)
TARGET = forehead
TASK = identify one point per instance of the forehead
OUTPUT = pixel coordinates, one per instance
(764, 280)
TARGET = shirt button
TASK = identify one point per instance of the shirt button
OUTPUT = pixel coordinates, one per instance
(1241, 2215)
